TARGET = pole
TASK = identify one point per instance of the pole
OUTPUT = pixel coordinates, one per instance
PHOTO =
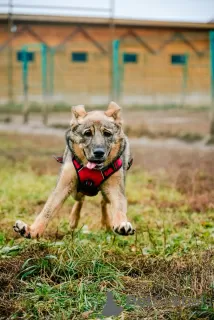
(111, 49)
(51, 71)
(116, 70)
(212, 81)
(25, 86)
(44, 82)
(10, 53)
(184, 80)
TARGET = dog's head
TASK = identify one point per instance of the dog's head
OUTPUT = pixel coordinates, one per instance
(97, 136)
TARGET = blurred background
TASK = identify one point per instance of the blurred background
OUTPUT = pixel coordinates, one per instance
(142, 55)
(155, 59)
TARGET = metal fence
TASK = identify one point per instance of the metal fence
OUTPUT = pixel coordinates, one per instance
(154, 80)
(129, 74)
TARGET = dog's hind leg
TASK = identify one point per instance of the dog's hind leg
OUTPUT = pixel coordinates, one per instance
(75, 213)
(105, 220)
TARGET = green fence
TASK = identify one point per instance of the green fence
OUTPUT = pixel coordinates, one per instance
(128, 73)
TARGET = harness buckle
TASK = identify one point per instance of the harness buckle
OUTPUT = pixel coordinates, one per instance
(130, 164)
(88, 188)
(58, 159)
(88, 183)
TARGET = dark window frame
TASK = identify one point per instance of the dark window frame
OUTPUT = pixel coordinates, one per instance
(30, 56)
(178, 59)
(129, 57)
(79, 56)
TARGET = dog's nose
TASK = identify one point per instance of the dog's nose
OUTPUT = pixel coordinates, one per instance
(99, 153)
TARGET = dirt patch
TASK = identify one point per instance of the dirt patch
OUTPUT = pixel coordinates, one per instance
(187, 124)
(179, 293)
(10, 283)
(189, 168)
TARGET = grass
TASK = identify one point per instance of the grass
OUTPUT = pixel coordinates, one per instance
(65, 276)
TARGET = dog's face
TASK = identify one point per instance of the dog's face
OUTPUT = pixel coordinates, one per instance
(96, 135)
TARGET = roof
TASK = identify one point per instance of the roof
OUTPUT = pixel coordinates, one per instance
(107, 21)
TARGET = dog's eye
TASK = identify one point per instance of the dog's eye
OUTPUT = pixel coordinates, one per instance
(107, 133)
(88, 133)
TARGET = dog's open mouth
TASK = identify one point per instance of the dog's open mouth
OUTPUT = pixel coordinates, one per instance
(94, 164)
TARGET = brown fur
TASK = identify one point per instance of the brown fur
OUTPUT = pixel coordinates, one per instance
(89, 131)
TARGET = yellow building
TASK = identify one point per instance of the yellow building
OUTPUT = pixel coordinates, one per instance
(90, 60)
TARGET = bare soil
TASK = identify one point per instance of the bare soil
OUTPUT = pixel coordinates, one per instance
(168, 123)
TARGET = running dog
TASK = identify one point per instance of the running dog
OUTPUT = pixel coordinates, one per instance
(96, 158)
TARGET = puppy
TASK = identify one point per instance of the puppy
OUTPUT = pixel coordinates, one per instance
(96, 159)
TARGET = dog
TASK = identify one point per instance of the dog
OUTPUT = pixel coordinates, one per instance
(96, 159)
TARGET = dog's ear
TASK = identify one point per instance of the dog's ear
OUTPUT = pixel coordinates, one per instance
(114, 111)
(77, 113)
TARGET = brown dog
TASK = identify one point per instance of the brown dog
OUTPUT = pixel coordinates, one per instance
(96, 158)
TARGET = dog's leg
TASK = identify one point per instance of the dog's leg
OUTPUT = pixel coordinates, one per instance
(75, 213)
(119, 208)
(113, 191)
(105, 220)
(65, 185)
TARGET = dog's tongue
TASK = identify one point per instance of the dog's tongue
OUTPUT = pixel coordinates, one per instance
(91, 165)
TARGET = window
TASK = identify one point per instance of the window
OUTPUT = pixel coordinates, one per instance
(130, 58)
(178, 59)
(79, 56)
(20, 56)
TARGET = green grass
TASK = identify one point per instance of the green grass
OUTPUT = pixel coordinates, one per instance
(65, 276)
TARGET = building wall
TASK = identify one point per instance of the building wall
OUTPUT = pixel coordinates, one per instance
(151, 80)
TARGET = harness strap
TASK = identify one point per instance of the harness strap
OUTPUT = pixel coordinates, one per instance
(91, 179)
(60, 160)
(130, 164)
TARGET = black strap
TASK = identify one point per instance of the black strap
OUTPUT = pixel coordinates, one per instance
(130, 164)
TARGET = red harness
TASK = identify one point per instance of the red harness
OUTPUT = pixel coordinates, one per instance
(91, 179)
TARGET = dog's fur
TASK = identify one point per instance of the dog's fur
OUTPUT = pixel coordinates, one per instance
(90, 130)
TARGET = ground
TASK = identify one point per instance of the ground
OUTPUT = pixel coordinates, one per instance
(168, 264)
(187, 124)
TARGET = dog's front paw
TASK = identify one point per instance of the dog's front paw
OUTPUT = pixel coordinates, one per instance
(22, 228)
(124, 229)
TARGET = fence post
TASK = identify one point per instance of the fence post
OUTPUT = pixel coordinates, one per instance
(44, 82)
(212, 81)
(10, 74)
(25, 86)
(115, 71)
(51, 71)
(184, 81)
(121, 76)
